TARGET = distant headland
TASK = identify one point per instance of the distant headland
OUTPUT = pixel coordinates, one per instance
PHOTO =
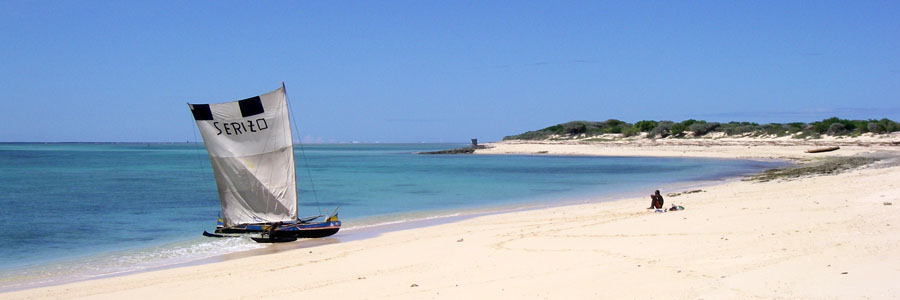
(587, 130)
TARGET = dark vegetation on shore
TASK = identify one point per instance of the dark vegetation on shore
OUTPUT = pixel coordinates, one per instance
(694, 128)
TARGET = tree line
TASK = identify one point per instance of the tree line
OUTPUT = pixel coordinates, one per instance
(697, 128)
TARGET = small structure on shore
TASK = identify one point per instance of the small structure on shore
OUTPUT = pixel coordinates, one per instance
(475, 145)
(465, 150)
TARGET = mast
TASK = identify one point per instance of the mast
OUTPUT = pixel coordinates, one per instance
(293, 158)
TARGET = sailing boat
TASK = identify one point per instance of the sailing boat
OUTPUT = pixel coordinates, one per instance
(251, 149)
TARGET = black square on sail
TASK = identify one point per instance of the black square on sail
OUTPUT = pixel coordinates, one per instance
(201, 112)
(251, 107)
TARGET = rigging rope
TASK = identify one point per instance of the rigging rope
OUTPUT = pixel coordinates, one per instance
(302, 153)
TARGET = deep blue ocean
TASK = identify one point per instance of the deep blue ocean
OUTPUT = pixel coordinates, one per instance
(76, 211)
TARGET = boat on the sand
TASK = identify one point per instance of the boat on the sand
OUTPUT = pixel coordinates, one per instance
(819, 150)
(251, 149)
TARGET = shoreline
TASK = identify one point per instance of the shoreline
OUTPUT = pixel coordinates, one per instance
(623, 209)
(390, 223)
(738, 148)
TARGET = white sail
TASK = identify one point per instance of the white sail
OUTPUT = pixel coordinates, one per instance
(252, 154)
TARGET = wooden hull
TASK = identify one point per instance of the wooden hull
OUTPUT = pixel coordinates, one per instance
(819, 150)
(296, 230)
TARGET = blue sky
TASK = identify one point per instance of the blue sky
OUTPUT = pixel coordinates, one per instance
(440, 71)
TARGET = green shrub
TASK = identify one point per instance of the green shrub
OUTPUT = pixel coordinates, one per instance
(824, 126)
(614, 123)
(678, 129)
(874, 127)
(645, 125)
(888, 125)
(860, 126)
(837, 129)
(702, 128)
(662, 129)
(772, 129)
(795, 127)
(554, 128)
(739, 128)
(575, 129)
(687, 123)
(630, 131)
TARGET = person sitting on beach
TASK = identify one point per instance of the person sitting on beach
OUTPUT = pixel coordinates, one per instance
(656, 201)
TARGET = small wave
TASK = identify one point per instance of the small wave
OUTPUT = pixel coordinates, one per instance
(121, 262)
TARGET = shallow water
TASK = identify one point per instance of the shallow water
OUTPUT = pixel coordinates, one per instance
(75, 211)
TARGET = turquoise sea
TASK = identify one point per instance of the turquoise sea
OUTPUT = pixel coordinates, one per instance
(78, 211)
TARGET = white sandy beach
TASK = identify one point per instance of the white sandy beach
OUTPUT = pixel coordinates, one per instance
(726, 147)
(823, 237)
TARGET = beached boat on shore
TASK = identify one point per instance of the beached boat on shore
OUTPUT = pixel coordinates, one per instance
(820, 150)
(251, 149)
